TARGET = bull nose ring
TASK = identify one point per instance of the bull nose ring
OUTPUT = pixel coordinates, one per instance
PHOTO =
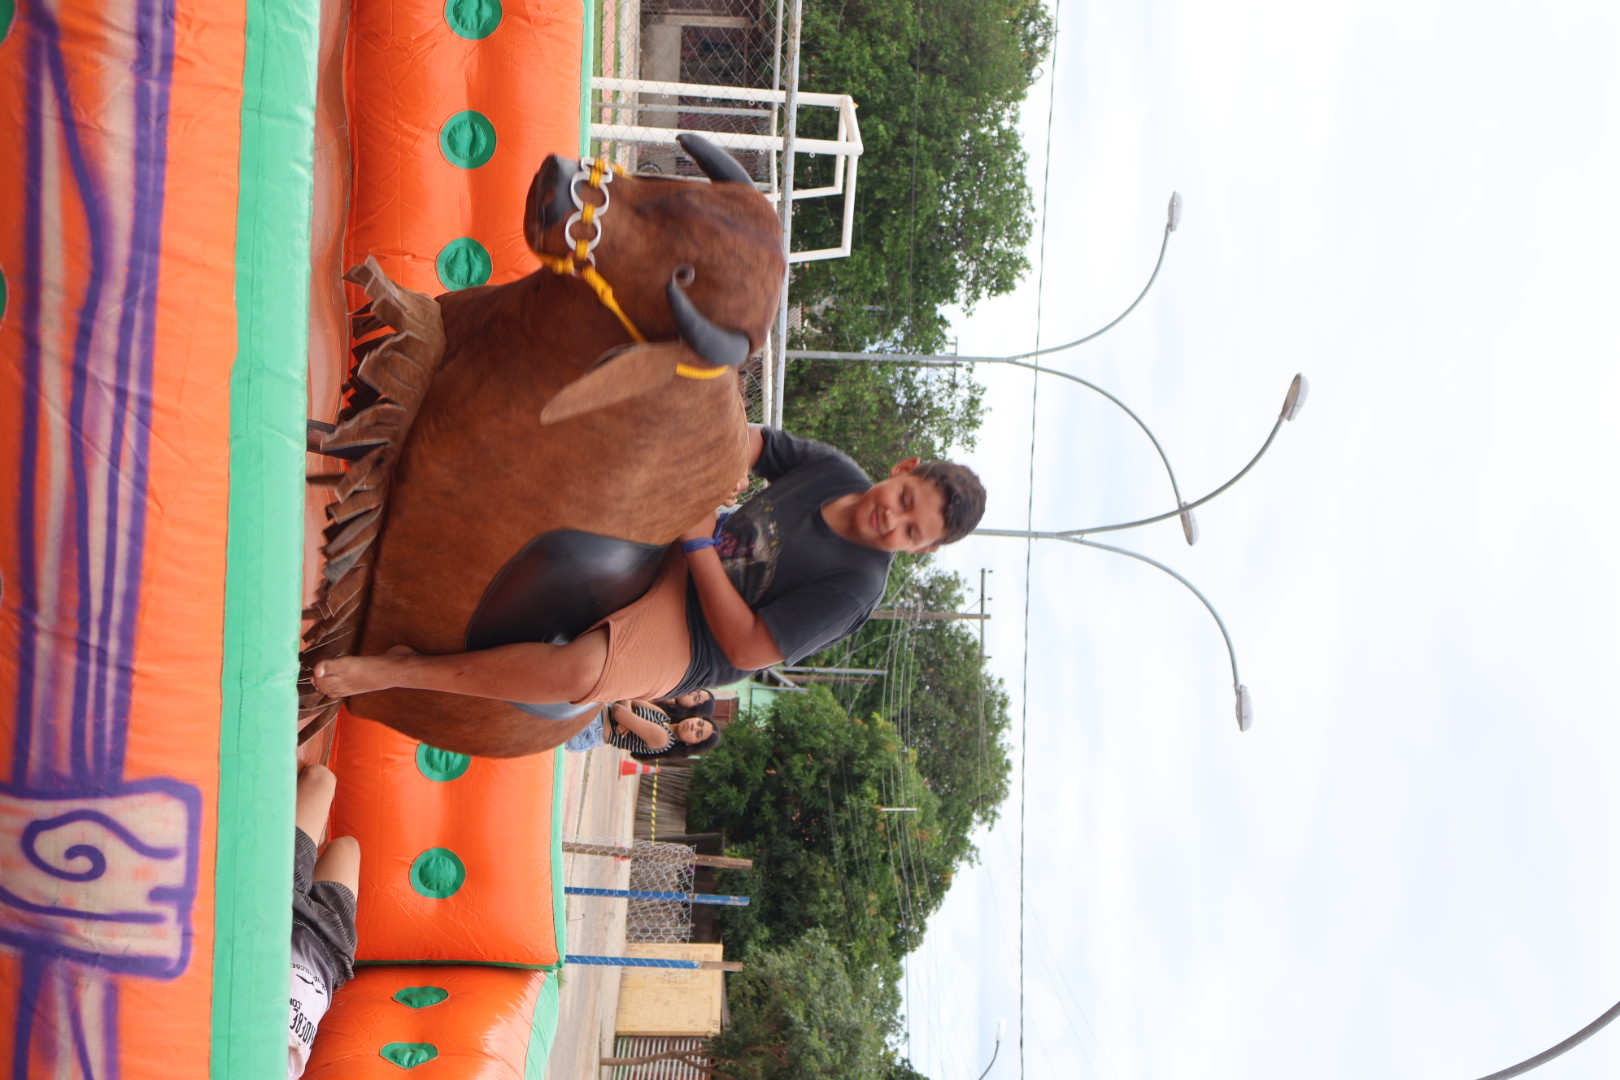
(685, 274)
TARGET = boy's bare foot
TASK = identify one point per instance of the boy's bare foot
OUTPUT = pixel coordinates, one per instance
(346, 676)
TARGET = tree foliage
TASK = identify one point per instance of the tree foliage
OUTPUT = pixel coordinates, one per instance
(798, 790)
(879, 414)
(943, 212)
(943, 208)
(949, 710)
(800, 1012)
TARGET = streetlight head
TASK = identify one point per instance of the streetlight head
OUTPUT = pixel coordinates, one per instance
(1189, 526)
(1001, 1028)
(1245, 707)
(1175, 212)
(1295, 401)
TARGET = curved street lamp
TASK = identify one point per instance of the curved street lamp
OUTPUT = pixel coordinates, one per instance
(1189, 525)
(1001, 1026)
(1172, 220)
(1553, 1051)
(1292, 404)
(1244, 702)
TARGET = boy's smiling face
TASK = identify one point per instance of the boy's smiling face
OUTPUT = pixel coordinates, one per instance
(906, 512)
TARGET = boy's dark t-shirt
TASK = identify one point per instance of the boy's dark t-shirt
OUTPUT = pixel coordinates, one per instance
(810, 585)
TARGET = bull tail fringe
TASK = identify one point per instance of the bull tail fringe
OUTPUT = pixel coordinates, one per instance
(399, 337)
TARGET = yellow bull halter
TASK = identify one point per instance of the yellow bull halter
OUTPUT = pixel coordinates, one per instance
(581, 261)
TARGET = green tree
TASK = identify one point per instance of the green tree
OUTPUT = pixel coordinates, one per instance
(949, 710)
(879, 414)
(943, 209)
(943, 212)
(798, 790)
(801, 1012)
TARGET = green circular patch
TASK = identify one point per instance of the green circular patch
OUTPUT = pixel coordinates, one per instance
(436, 764)
(474, 20)
(464, 263)
(8, 15)
(437, 873)
(420, 997)
(467, 139)
(409, 1055)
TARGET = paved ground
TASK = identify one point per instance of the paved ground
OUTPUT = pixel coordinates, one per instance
(597, 805)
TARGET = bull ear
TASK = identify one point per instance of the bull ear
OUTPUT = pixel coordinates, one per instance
(548, 202)
(716, 164)
(619, 375)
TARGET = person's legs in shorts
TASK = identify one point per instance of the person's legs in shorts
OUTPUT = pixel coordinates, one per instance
(340, 863)
(316, 786)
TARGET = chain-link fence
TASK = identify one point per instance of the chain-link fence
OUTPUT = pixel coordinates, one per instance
(713, 43)
(655, 869)
(727, 68)
(710, 43)
(655, 866)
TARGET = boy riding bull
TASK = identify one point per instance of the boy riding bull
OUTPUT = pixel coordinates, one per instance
(792, 570)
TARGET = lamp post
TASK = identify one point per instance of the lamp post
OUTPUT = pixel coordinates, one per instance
(1244, 703)
(1553, 1051)
(1172, 220)
(1189, 526)
(1293, 402)
(1001, 1026)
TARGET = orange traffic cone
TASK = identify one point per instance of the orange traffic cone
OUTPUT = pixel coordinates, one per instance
(632, 767)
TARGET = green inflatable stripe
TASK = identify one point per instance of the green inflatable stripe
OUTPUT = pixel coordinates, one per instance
(264, 544)
(543, 1030)
(587, 65)
(559, 899)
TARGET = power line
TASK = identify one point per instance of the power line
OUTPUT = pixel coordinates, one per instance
(1029, 545)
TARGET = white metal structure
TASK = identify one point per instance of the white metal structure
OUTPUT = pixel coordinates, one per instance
(845, 148)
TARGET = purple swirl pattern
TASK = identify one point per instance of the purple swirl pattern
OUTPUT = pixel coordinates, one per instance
(98, 874)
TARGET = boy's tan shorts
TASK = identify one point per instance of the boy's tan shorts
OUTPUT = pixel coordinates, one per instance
(649, 647)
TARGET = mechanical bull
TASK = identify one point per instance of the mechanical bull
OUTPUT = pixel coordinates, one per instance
(522, 454)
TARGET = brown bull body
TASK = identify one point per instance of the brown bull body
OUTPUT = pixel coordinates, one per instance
(476, 476)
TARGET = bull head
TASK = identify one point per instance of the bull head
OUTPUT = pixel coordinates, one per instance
(720, 241)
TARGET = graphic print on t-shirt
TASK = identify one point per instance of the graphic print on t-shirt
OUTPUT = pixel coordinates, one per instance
(308, 1003)
(748, 546)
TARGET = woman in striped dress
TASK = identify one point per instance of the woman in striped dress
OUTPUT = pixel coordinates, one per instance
(647, 732)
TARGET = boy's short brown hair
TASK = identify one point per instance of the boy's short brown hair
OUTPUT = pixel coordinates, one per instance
(964, 496)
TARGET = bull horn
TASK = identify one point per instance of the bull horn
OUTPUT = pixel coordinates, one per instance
(720, 347)
(716, 164)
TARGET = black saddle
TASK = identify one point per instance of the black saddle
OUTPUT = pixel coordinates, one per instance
(559, 586)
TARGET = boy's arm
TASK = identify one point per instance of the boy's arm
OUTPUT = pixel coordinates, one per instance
(741, 634)
(756, 445)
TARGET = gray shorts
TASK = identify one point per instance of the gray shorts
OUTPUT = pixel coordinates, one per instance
(325, 909)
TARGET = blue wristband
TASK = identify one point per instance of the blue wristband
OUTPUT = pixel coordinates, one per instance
(689, 546)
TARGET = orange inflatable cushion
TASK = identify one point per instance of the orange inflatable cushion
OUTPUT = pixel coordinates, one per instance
(449, 1023)
(455, 852)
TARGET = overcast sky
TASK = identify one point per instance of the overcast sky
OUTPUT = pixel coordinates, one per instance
(1408, 867)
